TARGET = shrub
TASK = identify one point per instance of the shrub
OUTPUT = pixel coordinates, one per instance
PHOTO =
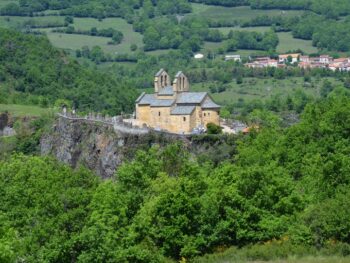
(212, 128)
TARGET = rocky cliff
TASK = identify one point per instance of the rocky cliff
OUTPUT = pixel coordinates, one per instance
(100, 148)
(94, 145)
(6, 124)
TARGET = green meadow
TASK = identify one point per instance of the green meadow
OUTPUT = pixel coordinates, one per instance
(242, 13)
(6, 2)
(287, 43)
(75, 41)
(214, 46)
(19, 21)
(260, 29)
(23, 110)
(262, 89)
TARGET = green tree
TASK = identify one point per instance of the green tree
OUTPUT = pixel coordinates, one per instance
(326, 88)
(46, 203)
(69, 19)
(213, 128)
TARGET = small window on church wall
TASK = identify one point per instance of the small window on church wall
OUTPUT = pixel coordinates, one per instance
(184, 118)
(204, 114)
(158, 113)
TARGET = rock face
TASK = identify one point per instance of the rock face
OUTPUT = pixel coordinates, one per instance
(4, 119)
(96, 146)
(5, 129)
(100, 148)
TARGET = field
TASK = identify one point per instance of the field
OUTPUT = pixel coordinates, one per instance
(74, 41)
(23, 110)
(214, 46)
(261, 89)
(260, 29)
(18, 21)
(6, 2)
(257, 89)
(241, 13)
(287, 42)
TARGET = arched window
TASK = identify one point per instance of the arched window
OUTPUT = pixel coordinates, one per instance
(158, 113)
(184, 118)
(161, 80)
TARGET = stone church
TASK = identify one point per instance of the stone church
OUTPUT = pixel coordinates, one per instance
(174, 108)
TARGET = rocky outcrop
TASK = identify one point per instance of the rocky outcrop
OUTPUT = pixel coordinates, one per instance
(102, 148)
(94, 145)
(6, 125)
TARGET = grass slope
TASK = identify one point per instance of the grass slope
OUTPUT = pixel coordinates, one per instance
(242, 13)
(261, 29)
(287, 42)
(6, 2)
(18, 21)
(260, 89)
(74, 41)
(23, 110)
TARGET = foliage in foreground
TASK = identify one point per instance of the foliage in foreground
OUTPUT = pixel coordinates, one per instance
(289, 185)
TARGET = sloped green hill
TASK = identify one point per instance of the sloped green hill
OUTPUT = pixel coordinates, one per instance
(32, 71)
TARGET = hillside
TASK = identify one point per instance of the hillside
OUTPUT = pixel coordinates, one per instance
(284, 195)
(97, 189)
(165, 25)
(32, 71)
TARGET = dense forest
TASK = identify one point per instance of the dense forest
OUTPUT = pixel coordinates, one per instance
(34, 72)
(288, 185)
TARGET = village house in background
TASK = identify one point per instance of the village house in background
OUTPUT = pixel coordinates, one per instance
(233, 57)
(173, 108)
(291, 58)
(263, 62)
(303, 61)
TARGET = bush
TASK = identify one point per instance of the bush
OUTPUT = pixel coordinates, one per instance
(212, 128)
(133, 47)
